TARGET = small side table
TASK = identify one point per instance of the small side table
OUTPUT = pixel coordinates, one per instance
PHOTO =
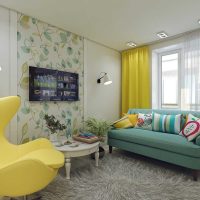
(82, 149)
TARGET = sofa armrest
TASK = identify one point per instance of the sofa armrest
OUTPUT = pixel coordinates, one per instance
(197, 140)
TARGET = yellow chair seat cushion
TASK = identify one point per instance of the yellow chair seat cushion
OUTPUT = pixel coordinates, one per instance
(49, 157)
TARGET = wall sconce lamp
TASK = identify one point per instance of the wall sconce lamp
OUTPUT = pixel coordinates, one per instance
(106, 79)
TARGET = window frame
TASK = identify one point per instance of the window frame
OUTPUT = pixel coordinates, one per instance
(165, 53)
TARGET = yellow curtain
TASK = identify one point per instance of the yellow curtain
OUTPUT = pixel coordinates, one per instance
(135, 79)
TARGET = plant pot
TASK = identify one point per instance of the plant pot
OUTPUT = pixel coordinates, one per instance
(53, 137)
(101, 153)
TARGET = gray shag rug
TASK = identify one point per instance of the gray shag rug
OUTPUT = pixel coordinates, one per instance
(123, 176)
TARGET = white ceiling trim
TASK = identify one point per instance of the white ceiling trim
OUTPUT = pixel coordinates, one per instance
(114, 22)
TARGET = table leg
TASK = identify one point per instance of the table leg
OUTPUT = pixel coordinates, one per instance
(97, 157)
(67, 167)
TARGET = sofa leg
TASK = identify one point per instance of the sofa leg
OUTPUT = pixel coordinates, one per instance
(195, 174)
(110, 149)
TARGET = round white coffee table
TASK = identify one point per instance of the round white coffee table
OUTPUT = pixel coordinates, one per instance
(82, 149)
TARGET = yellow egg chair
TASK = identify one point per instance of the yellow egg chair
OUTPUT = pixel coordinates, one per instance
(26, 168)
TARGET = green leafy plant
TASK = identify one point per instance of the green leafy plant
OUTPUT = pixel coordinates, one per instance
(97, 127)
(53, 125)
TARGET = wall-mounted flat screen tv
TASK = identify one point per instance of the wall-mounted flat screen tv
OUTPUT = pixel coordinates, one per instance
(52, 85)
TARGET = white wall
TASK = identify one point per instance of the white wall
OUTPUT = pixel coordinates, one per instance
(102, 102)
(4, 51)
(8, 61)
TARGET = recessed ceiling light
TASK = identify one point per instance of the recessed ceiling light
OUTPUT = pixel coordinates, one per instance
(198, 21)
(131, 44)
(162, 35)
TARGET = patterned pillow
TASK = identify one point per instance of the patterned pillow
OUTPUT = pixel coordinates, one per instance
(166, 123)
(144, 121)
(124, 122)
(191, 130)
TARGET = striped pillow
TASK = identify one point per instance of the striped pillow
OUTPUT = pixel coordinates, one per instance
(166, 123)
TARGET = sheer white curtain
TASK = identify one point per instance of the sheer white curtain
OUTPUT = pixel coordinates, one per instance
(190, 72)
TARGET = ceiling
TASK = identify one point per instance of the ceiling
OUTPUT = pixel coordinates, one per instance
(114, 22)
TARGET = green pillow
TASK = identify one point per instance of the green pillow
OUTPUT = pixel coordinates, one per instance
(166, 123)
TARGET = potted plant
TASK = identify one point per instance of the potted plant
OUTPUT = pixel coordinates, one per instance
(100, 129)
(54, 126)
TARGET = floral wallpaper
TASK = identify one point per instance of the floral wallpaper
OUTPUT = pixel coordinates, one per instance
(43, 45)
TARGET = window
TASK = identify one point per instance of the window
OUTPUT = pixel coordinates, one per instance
(169, 79)
(176, 74)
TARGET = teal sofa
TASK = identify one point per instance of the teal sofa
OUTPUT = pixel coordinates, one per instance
(167, 147)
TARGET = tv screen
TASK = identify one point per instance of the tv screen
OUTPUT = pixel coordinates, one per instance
(52, 85)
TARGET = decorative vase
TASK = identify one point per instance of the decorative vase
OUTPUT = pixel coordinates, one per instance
(53, 137)
(68, 129)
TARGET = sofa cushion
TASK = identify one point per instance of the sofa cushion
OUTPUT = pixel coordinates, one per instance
(169, 142)
(191, 130)
(132, 118)
(124, 122)
(166, 123)
(184, 118)
(191, 118)
(144, 121)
